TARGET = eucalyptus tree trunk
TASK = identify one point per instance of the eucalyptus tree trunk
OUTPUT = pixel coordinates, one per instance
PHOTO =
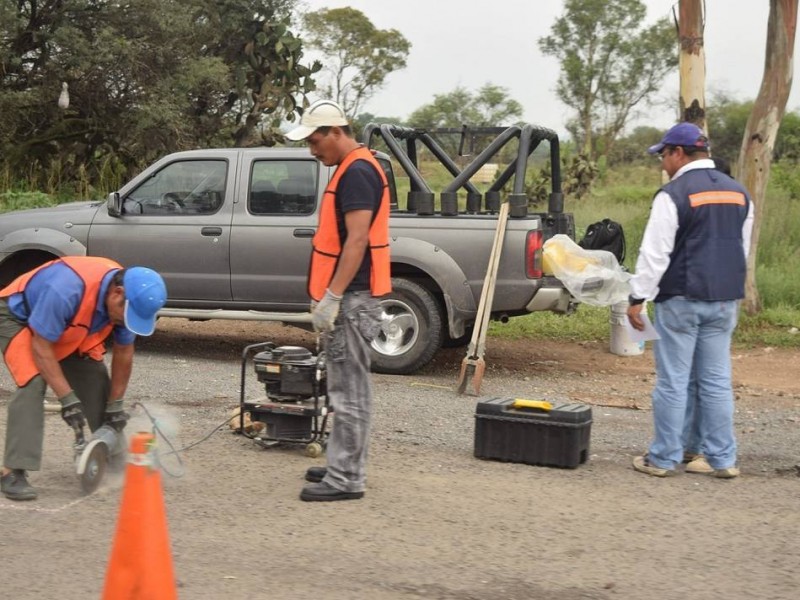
(762, 126)
(692, 62)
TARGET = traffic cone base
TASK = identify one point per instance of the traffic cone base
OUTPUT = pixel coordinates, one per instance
(140, 566)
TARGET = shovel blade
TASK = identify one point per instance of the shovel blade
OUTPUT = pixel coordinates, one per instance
(471, 377)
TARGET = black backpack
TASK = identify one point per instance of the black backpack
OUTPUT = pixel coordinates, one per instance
(605, 235)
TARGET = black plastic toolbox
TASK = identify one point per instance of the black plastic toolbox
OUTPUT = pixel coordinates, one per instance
(533, 432)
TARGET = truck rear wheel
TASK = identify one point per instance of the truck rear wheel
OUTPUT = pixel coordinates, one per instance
(411, 329)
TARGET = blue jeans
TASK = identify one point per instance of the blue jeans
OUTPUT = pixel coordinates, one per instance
(349, 382)
(692, 437)
(694, 335)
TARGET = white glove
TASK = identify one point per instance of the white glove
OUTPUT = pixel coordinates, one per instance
(323, 315)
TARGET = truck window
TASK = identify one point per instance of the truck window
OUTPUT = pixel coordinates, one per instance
(283, 187)
(189, 187)
(386, 165)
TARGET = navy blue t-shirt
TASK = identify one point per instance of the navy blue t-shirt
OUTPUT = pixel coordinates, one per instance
(360, 188)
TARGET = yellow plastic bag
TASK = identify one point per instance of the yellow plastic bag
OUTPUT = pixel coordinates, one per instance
(592, 276)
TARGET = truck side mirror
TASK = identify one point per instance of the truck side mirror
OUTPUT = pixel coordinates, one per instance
(114, 205)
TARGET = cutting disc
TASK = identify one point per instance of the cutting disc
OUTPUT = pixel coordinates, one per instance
(92, 465)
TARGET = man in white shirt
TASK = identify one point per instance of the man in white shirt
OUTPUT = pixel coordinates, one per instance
(692, 263)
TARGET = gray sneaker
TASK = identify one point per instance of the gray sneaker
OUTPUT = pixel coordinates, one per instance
(15, 486)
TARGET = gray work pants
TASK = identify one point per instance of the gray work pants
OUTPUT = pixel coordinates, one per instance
(350, 390)
(25, 424)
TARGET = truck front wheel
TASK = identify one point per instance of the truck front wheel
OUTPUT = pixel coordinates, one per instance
(411, 329)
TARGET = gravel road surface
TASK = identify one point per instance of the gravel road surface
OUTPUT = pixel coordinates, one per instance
(435, 522)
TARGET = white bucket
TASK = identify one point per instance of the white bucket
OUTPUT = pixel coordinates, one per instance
(621, 343)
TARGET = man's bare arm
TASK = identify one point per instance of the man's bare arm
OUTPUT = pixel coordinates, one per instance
(44, 357)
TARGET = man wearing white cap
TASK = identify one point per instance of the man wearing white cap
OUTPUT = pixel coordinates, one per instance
(349, 270)
(54, 321)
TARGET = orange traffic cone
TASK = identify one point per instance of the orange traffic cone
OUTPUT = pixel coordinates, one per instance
(140, 566)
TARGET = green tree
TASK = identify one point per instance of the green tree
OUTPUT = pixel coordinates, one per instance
(267, 84)
(610, 64)
(358, 56)
(145, 78)
(727, 119)
(490, 106)
(632, 148)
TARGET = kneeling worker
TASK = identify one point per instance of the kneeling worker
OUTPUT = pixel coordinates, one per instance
(54, 321)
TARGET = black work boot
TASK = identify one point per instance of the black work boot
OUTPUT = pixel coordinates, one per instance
(316, 474)
(322, 492)
(15, 486)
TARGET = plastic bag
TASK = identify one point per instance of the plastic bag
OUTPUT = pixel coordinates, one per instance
(592, 276)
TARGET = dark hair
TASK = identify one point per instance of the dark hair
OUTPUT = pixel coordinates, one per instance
(345, 129)
(688, 150)
(118, 278)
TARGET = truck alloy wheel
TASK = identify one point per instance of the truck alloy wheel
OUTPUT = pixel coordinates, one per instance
(411, 329)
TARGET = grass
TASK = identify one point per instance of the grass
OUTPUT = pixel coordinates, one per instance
(772, 327)
(16, 200)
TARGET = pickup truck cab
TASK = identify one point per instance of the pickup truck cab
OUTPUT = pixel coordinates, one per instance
(230, 231)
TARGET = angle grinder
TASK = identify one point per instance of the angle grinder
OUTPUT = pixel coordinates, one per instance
(92, 457)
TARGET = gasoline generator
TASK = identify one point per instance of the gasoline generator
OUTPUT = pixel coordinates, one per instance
(295, 409)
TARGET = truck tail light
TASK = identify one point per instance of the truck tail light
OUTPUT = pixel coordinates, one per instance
(533, 255)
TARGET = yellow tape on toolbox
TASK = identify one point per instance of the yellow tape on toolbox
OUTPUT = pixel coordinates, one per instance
(523, 403)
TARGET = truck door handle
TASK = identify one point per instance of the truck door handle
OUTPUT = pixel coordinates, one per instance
(211, 231)
(303, 233)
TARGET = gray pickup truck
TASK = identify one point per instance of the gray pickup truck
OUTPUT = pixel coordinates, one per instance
(230, 231)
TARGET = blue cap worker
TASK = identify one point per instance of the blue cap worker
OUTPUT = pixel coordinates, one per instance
(54, 321)
(692, 264)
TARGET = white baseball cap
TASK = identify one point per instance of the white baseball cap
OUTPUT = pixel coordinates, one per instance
(323, 113)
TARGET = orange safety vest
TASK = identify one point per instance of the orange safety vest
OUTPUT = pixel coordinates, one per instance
(327, 247)
(76, 337)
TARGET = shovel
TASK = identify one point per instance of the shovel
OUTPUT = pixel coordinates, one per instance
(473, 366)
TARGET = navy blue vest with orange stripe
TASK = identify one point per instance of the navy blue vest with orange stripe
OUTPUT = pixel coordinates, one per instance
(707, 262)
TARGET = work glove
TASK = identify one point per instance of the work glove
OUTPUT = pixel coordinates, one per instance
(71, 410)
(323, 315)
(115, 415)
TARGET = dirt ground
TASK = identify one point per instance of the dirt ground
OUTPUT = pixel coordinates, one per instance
(435, 522)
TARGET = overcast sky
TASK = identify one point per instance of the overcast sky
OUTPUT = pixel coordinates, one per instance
(470, 43)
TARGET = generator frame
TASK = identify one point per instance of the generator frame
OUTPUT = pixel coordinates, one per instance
(316, 411)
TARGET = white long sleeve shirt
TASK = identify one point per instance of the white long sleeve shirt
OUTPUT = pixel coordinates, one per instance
(659, 238)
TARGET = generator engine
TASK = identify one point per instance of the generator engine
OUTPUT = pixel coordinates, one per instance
(293, 411)
(289, 373)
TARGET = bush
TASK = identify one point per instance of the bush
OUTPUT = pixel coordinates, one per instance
(12, 200)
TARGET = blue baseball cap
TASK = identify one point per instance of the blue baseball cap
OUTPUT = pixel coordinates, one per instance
(145, 294)
(682, 134)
